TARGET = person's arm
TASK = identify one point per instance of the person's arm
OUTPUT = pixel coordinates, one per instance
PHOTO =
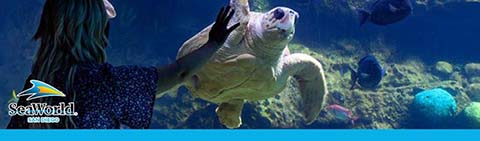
(184, 68)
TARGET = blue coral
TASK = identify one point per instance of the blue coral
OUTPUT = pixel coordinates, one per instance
(434, 108)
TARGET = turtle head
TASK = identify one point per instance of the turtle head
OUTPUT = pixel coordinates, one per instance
(279, 24)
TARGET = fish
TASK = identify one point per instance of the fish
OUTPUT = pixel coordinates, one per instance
(342, 113)
(369, 73)
(385, 12)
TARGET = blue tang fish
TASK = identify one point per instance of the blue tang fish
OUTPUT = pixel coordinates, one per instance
(384, 12)
(369, 73)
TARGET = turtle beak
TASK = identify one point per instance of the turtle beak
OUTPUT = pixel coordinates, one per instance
(297, 16)
(288, 21)
(110, 9)
(279, 23)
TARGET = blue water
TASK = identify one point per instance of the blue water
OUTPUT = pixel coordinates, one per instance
(149, 32)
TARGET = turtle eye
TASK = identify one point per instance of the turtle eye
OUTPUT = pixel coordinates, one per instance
(278, 14)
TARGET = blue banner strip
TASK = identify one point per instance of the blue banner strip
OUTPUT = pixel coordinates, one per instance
(239, 135)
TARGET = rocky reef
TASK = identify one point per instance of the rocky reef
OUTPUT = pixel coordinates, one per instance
(470, 117)
(473, 90)
(383, 108)
(434, 108)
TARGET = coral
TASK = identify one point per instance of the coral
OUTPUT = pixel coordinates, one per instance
(443, 68)
(473, 91)
(475, 79)
(388, 106)
(433, 109)
(470, 116)
(472, 69)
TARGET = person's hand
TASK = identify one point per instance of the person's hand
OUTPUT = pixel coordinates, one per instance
(219, 31)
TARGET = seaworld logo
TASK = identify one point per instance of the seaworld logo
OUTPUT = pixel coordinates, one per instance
(38, 90)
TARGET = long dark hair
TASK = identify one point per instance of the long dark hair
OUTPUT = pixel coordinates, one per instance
(70, 32)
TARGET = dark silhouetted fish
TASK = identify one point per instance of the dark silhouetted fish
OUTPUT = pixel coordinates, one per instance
(369, 73)
(384, 12)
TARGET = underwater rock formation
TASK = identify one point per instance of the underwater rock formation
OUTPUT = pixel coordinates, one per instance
(473, 91)
(388, 106)
(433, 109)
(470, 116)
(472, 70)
(474, 80)
(443, 68)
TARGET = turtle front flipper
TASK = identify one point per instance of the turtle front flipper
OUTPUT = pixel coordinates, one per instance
(311, 79)
(242, 16)
(242, 11)
(229, 113)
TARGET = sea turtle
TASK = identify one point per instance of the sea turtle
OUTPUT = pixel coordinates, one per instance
(255, 64)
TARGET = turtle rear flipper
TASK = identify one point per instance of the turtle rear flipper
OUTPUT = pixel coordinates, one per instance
(229, 113)
(312, 84)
